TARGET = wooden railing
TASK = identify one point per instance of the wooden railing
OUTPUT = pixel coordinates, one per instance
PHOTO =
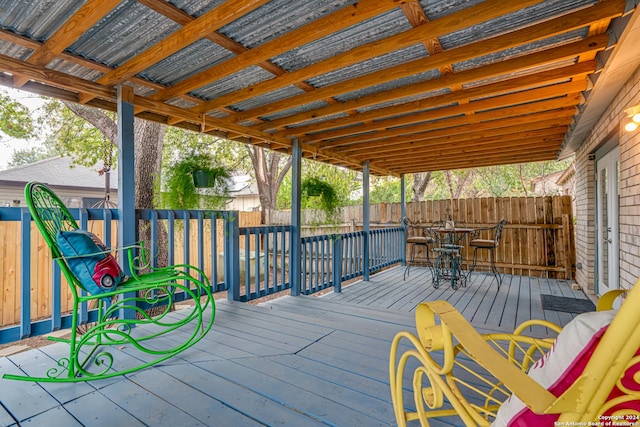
(538, 241)
(247, 262)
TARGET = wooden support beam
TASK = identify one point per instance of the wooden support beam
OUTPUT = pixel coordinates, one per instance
(526, 35)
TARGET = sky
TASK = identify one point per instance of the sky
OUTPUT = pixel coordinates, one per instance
(8, 145)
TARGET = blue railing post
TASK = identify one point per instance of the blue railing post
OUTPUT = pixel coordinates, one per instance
(56, 297)
(83, 315)
(295, 244)
(336, 266)
(366, 209)
(232, 255)
(403, 215)
(25, 274)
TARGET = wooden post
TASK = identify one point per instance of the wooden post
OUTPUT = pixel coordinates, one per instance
(337, 263)
(403, 215)
(127, 230)
(295, 248)
(25, 274)
(566, 234)
(126, 168)
(365, 220)
(232, 255)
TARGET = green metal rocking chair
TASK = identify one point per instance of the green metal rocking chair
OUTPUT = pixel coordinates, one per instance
(140, 334)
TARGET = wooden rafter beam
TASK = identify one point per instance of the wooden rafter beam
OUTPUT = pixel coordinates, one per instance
(514, 66)
(489, 144)
(408, 143)
(461, 125)
(496, 103)
(179, 16)
(457, 162)
(473, 15)
(572, 21)
(83, 19)
(340, 19)
(193, 31)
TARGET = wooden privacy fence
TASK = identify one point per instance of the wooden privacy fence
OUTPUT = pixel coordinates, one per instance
(538, 239)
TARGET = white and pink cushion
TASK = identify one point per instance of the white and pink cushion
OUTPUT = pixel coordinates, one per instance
(559, 368)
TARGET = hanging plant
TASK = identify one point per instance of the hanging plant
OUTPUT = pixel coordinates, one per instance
(191, 173)
(329, 201)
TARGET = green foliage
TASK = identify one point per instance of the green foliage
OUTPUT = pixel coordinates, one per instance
(386, 190)
(180, 191)
(514, 180)
(323, 192)
(179, 143)
(29, 155)
(15, 118)
(72, 136)
(344, 181)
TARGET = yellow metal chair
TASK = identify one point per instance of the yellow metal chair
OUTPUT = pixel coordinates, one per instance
(452, 370)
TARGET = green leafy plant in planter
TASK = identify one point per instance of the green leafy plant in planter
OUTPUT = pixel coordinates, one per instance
(328, 197)
(195, 181)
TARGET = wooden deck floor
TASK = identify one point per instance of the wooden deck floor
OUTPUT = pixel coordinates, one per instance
(295, 361)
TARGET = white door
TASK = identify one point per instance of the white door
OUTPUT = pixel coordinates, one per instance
(607, 239)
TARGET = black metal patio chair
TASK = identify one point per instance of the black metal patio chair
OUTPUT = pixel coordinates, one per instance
(490, 244)
(416, 237)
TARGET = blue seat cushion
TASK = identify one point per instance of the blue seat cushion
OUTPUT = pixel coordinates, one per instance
(96, 270)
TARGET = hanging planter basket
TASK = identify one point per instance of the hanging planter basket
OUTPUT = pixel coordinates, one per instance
(315, 187)
(203, 179)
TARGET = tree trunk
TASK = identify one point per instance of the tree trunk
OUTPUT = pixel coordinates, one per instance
(457, 183)
(420, 183)
(149, 140)
(270, 170)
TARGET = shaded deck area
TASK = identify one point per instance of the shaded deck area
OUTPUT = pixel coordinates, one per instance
(298, 361)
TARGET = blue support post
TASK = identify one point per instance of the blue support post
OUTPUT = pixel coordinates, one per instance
(83, 315)
(232, 255)
(126, 180)
(155, 239)
(403, 215)
(366, 214)
(295, 248)
(25, 274)
(336, 267)
(56, 297)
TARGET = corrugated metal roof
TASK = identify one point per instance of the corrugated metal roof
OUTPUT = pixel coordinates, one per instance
(283, 69)
(278, 17)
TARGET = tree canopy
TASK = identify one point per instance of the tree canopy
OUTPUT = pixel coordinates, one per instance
(15, 118)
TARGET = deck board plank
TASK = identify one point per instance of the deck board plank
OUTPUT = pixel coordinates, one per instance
(96, 406)
(300, 394)
(308, 360)
(184, 396)
(211, 379)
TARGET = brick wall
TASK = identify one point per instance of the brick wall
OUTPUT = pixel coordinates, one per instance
(608, 128)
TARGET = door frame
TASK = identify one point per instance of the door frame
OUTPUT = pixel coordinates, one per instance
(608, 157)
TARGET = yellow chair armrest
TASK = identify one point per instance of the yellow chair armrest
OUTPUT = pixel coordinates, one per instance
(434, 336)
(605, 302)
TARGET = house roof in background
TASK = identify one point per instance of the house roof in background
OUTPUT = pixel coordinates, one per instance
(57, 172)
(408, 86)
(243, 185)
